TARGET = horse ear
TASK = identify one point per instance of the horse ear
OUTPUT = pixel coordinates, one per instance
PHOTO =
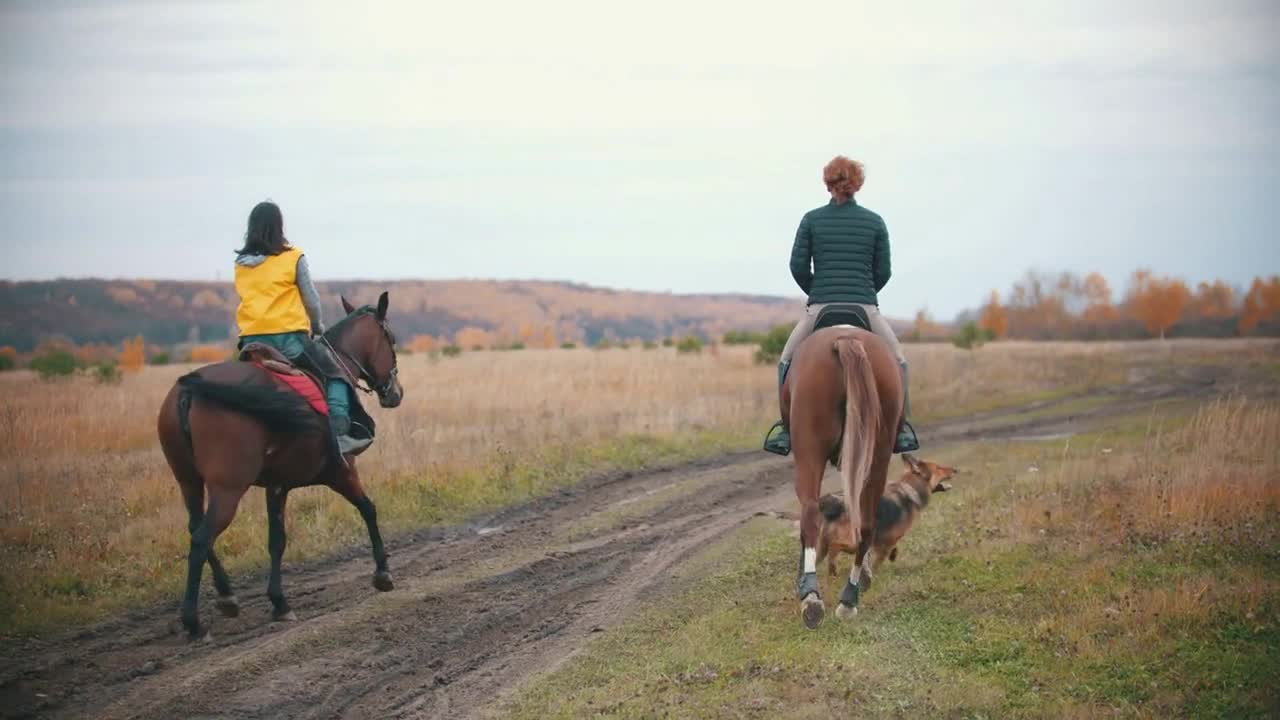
(383, 300)
(347, 307)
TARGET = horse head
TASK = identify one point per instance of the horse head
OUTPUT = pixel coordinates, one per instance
(365, 340)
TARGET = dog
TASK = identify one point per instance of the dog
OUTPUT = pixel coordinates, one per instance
(903, 501)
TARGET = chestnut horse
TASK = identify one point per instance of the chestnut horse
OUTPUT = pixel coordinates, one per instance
(842, 402)
(229, 426)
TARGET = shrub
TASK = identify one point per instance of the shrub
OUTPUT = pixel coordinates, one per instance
(743, 337)
(568, 346)
(451, 351)
(772, 344)
(8, 358)
(160, 358)
(106, 372)
(689, 344)
(54, 364)
(971, 336)
(650, 345)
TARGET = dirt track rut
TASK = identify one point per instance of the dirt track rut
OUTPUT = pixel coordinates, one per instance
(477, 608)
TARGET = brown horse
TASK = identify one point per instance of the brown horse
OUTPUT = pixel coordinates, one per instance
(229, 426)
(842, 402)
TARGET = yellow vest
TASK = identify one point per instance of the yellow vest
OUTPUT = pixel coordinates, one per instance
(269, 298)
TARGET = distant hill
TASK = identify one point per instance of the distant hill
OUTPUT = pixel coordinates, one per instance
(486, 311)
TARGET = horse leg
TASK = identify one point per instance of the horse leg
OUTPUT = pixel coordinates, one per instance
(222, 508)
(193, 495)
(276, 497)
(808, 484)
(347, 484)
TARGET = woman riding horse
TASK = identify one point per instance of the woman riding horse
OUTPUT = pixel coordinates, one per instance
(841, 256)
(279, 305)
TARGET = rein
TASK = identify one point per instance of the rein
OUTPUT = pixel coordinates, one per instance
(345, 357)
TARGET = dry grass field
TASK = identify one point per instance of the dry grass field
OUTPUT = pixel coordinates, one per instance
(90, 518)
(1131, 571)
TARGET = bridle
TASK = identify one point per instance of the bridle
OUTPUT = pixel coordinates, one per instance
(373, 386)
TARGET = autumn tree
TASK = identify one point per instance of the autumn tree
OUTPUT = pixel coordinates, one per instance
(994, 319)
(134, 355)
(209, 354)
(1261, 303)
(1215, 300)
(422, 343)
(1157, 302)
(548, 338)
(1098, 309)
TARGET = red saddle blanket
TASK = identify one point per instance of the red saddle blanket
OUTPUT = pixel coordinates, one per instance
(304, 386)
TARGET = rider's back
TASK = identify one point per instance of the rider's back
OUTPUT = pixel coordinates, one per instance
(849, 248)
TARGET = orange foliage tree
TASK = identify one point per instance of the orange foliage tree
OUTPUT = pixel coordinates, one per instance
(1098, 309)
(1261, 303)
(134, 355)
(422, 343)
(209, 354)
(1157, 302)
(994, 319)
(471, 337)
(1215, 300)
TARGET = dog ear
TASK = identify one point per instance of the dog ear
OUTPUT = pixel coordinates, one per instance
(916, 466)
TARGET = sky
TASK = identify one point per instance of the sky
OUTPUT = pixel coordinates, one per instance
(664, 145)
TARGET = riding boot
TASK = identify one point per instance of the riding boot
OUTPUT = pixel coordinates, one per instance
(778, 441)
(906, 441)
(336, 393)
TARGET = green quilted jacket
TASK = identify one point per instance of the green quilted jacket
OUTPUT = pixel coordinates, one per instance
(841, 254)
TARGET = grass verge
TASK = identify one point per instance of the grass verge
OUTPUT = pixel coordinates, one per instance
(1135, 575)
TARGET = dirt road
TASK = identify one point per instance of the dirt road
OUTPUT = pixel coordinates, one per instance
(477, 608)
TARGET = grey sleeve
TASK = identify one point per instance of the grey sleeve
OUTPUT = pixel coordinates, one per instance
(310, 298)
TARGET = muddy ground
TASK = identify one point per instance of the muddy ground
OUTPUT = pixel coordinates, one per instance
(477, 609)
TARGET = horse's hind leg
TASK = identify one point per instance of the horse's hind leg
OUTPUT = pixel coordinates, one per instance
(193, 495)
(222, 508)
(276, 497)
(346, 481)
(808, 485)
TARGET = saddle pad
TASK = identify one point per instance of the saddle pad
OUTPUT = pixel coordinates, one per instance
(304, 386)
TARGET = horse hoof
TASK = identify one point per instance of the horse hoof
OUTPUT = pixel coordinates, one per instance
(229, 606)
(382, 581)
(844, 612)
(812, 611)
(289, 616)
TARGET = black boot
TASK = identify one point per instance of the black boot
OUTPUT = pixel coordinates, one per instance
(907, 440)
(778, 441)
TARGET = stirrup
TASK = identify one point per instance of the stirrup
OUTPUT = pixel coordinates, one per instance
(906, 440)
(778, 440)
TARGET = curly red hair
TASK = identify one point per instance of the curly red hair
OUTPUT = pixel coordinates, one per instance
(843, 177)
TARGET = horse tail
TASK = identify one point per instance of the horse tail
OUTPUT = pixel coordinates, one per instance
(280, 410)
(861, 424)
(184, 412)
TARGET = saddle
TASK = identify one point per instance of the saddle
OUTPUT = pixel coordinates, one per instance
(306, 384)
(842, 314)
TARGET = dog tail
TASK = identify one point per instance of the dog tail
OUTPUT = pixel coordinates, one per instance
(831, 507)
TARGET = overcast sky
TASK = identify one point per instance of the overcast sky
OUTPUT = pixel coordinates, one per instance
(655, 145)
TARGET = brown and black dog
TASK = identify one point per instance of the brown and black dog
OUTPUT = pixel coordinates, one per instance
(903, 501)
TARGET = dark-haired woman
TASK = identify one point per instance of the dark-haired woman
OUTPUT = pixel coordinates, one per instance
(279, 306)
